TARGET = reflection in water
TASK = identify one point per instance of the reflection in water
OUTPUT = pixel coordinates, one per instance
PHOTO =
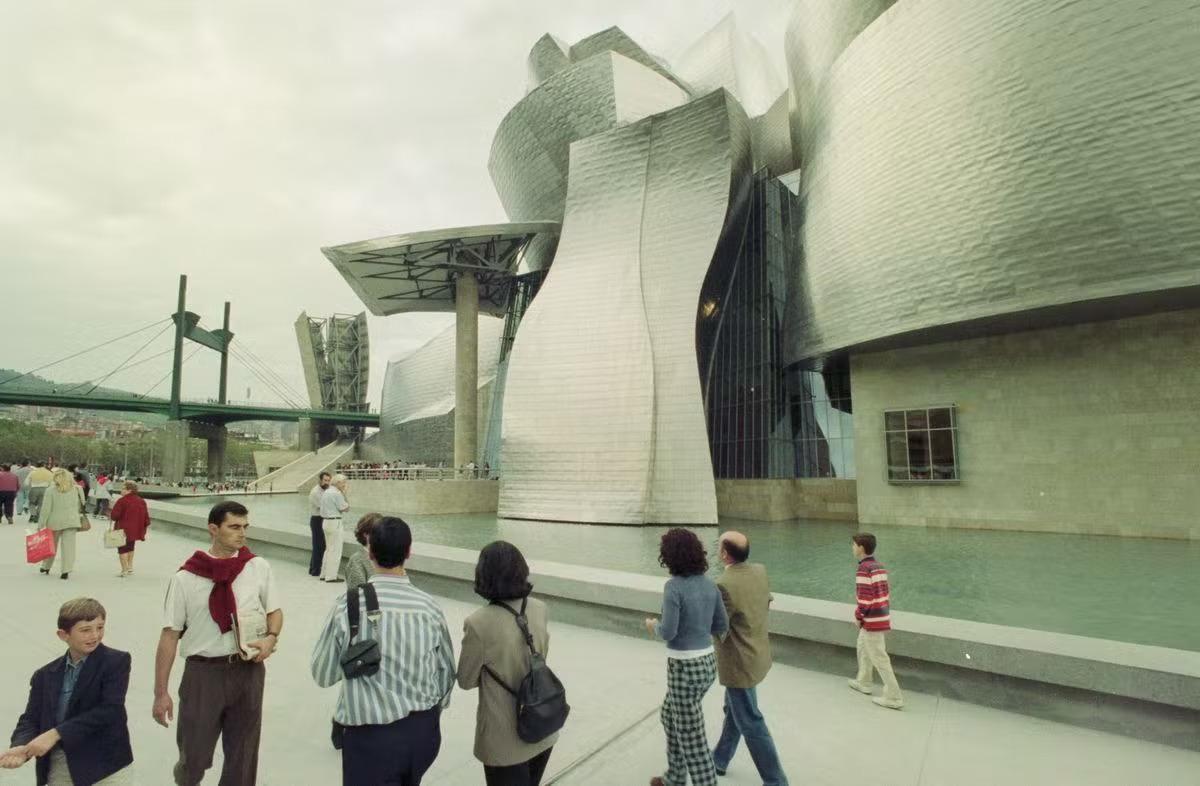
(1114, 588)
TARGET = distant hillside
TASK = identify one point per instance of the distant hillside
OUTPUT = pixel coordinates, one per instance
(36, 384)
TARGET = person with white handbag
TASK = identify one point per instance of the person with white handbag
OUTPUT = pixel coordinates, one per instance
(131, 520)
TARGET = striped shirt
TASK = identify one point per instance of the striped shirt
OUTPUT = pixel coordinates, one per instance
(417, 667)
(871, 589)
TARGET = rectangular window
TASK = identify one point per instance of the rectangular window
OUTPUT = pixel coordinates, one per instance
(922, 445)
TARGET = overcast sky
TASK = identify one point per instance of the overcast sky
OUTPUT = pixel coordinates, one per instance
(232, 140)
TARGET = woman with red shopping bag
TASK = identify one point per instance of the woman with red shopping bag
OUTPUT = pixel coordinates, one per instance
(62, 511)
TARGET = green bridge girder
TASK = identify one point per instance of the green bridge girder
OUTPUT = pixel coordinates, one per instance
(206, 412)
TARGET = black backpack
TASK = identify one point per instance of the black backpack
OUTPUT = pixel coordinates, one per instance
(542, 707)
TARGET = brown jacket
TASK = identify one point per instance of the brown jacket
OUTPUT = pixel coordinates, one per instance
(744, 656)
(491, 637)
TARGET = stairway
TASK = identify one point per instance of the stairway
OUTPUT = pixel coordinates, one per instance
(303, 472)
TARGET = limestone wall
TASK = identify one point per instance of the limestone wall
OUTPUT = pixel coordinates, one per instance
(787, 498)
(1093, 428)
(424, 496)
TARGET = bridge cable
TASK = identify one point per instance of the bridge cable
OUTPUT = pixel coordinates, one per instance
(166, 376)
(265, 380)
(85, 351)
(278, 377)
(273, 379)
(136, 352)
(245, 348)
(285, 398)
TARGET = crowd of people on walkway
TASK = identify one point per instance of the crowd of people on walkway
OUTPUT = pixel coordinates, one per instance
(387, 644)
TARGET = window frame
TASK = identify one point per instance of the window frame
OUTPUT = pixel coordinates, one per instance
(928, 431)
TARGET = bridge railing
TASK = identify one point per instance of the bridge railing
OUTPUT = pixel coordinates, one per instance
(418, 473)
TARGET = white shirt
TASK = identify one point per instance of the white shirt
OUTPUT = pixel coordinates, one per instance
(333, 504)
(314, 500)
(186, 606)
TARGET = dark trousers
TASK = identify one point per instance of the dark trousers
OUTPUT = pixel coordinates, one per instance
(6, 503)
(318, 545)
(397, 754)
(527, 773)
(219, 700)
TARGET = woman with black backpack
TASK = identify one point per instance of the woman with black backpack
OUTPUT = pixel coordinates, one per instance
(503, 654)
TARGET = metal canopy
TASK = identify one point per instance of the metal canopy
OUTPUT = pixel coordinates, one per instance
(416, 272)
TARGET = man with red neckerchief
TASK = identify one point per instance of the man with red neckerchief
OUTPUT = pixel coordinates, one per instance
(221, 693)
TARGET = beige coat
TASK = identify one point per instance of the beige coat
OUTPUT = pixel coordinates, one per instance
(491, 637)
(744, 656)
(61, 509)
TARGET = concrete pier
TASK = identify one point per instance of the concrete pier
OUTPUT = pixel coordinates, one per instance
(466, 369)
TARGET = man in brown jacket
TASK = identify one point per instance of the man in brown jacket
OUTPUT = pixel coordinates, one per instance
(743, 660)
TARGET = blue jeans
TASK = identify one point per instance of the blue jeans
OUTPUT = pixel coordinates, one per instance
(743, 719)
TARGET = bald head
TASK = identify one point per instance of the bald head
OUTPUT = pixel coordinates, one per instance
(735, 547)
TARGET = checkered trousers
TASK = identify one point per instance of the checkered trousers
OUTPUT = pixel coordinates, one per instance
(683, 721)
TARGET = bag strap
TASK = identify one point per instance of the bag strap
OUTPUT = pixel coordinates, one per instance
(352, 612)
(522, 621)
(352, 604)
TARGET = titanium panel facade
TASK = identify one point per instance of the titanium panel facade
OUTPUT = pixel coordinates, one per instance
(727, 57)
(417, 413)
(603, 417)
(817, 34)
(977, 160)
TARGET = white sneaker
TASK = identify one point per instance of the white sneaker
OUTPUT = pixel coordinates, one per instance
(891, 704)
(858, 686)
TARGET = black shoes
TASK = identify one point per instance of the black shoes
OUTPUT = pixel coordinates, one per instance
(44, 571)
(64, 576)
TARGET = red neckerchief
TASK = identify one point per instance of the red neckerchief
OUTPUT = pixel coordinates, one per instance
(221, 602)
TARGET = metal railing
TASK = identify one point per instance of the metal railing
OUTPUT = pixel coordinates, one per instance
(418, 473)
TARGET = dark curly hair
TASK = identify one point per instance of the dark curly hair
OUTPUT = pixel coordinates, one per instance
(501, 572)
(362, 530)
(682, 553)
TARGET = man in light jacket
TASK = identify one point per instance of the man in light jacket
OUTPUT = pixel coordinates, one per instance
(743, 660)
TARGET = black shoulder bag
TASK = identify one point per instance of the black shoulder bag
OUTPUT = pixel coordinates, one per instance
(542, 707)
(361, 658)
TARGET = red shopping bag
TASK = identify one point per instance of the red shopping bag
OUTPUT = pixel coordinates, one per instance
(39, 546)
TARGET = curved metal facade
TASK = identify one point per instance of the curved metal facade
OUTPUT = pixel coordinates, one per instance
(416, 415)
(817, 34)
(975, 162)
(529, 156)
(603, 417)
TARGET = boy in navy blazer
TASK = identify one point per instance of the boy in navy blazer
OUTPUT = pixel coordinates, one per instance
(74, 723)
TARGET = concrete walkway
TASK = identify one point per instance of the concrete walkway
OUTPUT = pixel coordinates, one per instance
(827, 734)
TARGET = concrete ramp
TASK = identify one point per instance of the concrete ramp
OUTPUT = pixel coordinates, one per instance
(303, 472)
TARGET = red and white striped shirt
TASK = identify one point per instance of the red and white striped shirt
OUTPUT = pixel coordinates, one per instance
(871, 589)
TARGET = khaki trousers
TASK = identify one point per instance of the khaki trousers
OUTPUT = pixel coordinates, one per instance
(64, 551)
(872, 656)
(61, 776)
(219, 700)
(331, 562)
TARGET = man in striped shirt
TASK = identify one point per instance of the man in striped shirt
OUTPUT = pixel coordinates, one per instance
(392, 717)
(874, 620)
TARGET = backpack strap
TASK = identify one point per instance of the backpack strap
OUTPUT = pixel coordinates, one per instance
(522, 621)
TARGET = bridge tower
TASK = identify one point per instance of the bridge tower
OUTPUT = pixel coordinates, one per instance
(174, 440)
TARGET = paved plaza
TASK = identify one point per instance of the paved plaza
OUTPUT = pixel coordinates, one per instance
(826, 734)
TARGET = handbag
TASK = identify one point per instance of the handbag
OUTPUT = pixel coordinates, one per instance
(84, 523)
(362, 657)
(39, 546)
(115, 539)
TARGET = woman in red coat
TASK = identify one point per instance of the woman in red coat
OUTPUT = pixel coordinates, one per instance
(130, 514)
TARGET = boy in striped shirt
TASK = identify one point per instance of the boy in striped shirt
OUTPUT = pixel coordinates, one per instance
(874, 620)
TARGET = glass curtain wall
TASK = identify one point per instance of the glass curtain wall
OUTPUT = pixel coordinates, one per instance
(763, 421)
(521, 292)
(746, 394)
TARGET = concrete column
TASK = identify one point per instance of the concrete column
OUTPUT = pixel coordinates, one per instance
(306, 439)
(466, 369)
(218, 437)
(174, 442)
